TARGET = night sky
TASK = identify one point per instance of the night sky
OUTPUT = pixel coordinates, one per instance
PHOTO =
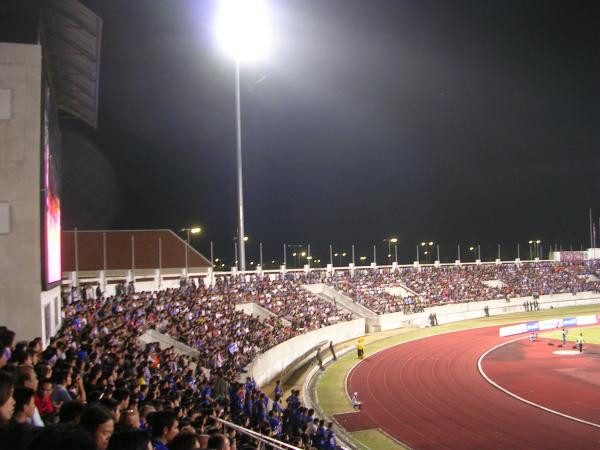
(459, 122)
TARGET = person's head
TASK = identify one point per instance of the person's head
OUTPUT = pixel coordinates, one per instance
(99, 422)
(71, 412)
(7, 403)
(27, 377)
(24, 403)
(44, 389)
(145, 411)
(63, 377)
(218, 441)
(113, 406)
(62, 437)
(122, 397)
(185, 441)
(164, 425)
(130, 419)
(203, 440)
(130, 440)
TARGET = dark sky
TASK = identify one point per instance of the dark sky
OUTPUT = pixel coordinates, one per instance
(470, 122)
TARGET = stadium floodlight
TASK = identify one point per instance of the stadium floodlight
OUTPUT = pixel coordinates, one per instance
(242, 29)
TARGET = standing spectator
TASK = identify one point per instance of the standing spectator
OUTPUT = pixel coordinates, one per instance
(319, 359)
(278, 391)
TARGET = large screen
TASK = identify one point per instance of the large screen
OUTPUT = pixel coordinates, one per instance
(51, 257)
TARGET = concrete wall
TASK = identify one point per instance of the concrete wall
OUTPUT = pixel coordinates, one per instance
(252, 309)
(270, 364)
(166, 341)
(20, 249)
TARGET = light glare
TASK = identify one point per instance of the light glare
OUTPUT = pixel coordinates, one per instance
(243, 28)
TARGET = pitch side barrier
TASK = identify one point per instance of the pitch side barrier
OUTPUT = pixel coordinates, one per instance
(550, 324)
(268, 365)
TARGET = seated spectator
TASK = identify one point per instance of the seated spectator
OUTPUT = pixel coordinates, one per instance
(43, 402)
(100, 424)
(130, 440)
(7, 402)
(185, 441)
(164, 428)
(63, 437)
(61, 393)
(218, 441)
(71, 412)
(130, 420)
(24, 405)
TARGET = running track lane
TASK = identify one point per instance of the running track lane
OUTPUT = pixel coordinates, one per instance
(429, 394)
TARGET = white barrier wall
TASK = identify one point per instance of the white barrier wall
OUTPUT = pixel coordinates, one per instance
(455, 312)
(252, 309)
(336, 296)
(165, 341)
(270, 364)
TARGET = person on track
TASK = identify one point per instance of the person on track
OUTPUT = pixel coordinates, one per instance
(565, 332)
(360, 348)
(356, 403)
(580, 342)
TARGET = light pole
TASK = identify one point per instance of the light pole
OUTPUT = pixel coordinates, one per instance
(242, 30)
(192, 230)
(534, 248)
(473, 249)
(427, 247)
(390, 241)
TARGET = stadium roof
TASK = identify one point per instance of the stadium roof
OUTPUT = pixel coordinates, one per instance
(71, 36)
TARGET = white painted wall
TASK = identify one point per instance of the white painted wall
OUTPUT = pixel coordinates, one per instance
(455, 312)
(270, 364)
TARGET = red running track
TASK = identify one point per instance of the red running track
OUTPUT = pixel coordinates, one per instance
(429, 394)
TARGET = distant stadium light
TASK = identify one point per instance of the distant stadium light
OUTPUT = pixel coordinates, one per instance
(243, 28)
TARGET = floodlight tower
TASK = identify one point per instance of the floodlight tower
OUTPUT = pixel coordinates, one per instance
(242, 29)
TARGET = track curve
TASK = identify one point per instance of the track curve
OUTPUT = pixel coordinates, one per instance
(429, 394)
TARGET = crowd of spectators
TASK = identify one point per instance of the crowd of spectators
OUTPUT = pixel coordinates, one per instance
(97, 383)
(285, 297)
(430, 286)
(97, 386)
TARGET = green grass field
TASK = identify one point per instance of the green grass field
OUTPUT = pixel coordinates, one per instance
(331, 392)
(591, 335)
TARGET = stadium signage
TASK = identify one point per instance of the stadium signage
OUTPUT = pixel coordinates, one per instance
(548, 324)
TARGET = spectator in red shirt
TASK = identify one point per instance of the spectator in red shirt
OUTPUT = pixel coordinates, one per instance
(43, 401)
